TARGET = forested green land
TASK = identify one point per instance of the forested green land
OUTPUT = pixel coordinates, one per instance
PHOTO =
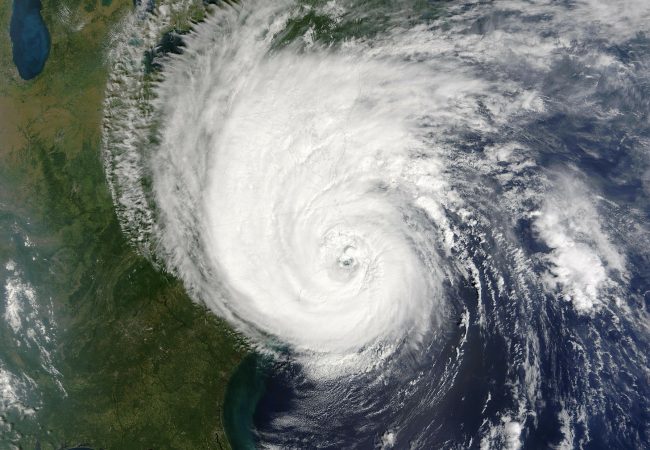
(141, 365)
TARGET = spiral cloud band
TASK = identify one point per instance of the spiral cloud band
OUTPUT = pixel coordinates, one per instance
(395, 199)
(303, 207)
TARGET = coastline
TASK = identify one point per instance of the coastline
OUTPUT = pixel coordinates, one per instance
(246, 387)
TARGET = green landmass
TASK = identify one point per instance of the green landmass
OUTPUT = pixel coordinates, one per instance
(365, 22)
(142, 366)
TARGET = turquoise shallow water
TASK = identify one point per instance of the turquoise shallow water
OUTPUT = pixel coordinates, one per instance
(245, 389)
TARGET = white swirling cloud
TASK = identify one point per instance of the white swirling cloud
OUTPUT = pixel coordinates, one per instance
(303, 202)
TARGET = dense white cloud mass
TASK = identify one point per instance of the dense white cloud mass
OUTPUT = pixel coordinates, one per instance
(308, 179)
(583, 259)
(305, 198)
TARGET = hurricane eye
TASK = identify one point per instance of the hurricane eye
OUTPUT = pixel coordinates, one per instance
(347, 260)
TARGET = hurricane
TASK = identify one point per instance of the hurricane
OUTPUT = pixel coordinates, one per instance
(432, 217)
